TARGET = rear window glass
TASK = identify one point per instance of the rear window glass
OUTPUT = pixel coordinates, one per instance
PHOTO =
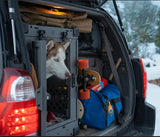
(141, 21)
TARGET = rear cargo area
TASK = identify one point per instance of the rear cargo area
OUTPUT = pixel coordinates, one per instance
(57, 99)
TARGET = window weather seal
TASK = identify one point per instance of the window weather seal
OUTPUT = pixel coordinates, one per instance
(1, 44)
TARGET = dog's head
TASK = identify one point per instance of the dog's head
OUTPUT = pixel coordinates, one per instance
(55, 64)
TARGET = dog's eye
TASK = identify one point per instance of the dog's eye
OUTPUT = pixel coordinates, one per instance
(56, 60)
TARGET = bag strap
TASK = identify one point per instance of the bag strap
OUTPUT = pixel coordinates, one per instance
(113, 102)
(113, 66)
(104, 106)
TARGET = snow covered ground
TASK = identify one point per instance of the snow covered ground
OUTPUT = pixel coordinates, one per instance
(153, 91)
(153, 72)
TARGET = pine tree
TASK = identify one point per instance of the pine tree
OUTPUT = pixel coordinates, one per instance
(139, 20)
(139, 25)
(158, 32)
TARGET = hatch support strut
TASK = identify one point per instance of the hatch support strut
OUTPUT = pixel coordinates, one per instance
(11, 15)
(118, 15)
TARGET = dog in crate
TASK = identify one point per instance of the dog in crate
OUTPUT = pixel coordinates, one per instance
(55, 64)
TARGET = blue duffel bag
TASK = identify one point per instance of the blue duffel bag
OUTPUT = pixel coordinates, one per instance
(102, 108)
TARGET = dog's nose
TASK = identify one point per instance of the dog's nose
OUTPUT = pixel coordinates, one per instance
(68, 75)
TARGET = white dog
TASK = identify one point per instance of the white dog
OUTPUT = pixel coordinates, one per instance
(55, 64)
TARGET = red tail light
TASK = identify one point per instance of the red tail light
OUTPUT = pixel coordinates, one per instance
(18, 112)
(144, 78)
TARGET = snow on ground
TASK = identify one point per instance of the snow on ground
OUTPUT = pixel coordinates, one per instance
(153, 91)
(156, 58)
(153, 71)
(156, 2)
(147, 49)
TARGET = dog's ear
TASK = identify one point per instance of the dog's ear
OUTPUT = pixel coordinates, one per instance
(50, 44)
(67, 44)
